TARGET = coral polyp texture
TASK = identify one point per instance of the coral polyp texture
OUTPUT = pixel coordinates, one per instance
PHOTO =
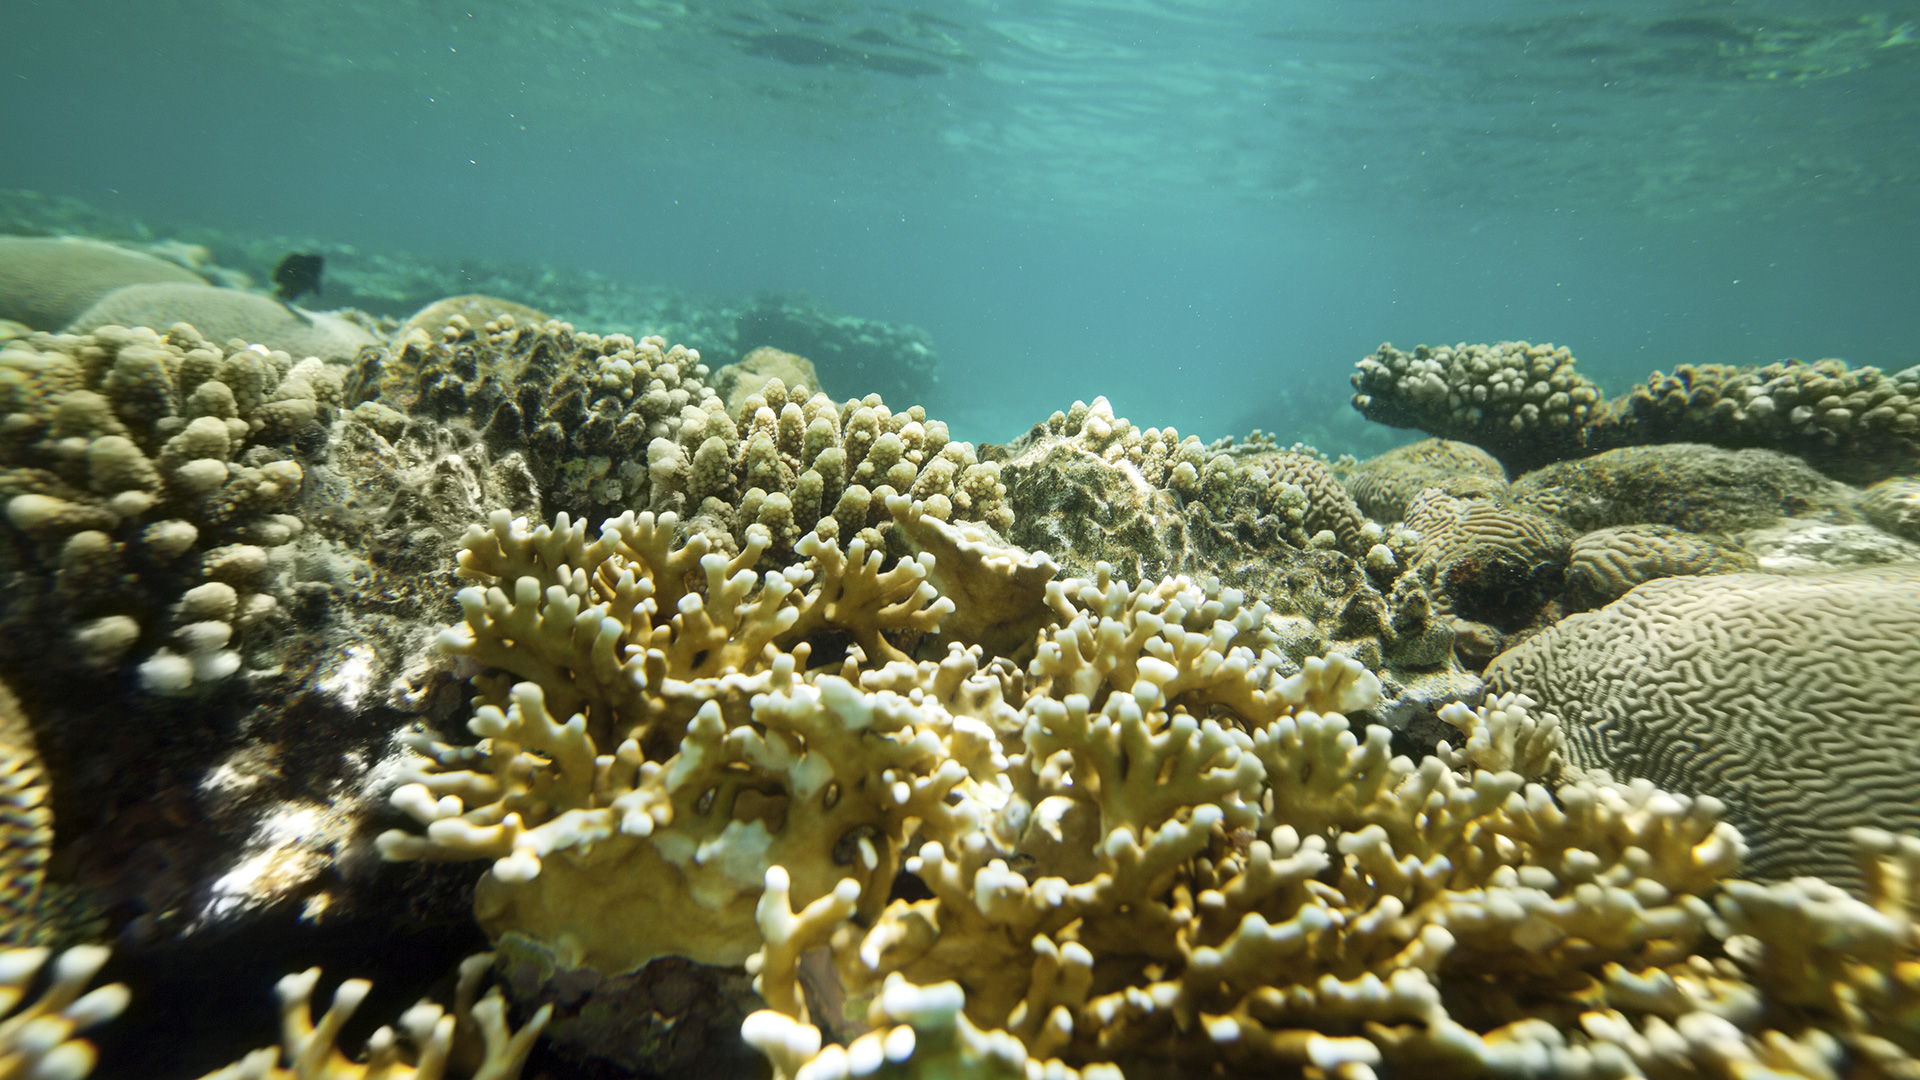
(1528, 406)
(1790, 699)
(612, 424)
(146, 476)
(472, 1040)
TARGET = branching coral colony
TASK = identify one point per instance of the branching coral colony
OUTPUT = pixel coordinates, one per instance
(1148, 847)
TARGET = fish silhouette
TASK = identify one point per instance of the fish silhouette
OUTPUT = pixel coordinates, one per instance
(297, 275)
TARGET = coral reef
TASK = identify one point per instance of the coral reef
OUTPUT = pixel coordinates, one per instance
(1264, 891)
(610, 425)
(1790, 699)
(146, 477)
(1856, 424)
(735, 381)
(46, 282)
(1275, 523)
(1528, 406)
(38, 1040)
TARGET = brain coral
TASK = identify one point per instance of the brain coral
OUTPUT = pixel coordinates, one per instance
(1792, 699)
(1701, 489)
(1486, 559)
(1605, 563)
(1383, 485)
(46, 283)
(221, 315)
(145, 477)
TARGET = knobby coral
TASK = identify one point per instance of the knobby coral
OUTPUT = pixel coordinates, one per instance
(147, 473)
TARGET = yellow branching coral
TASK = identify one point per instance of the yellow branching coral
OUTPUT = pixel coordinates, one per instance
(726, 754)
(473, 1040)
(38, 1040)
(1200, 865)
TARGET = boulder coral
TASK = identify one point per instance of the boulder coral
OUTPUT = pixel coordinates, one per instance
(46, 282)
(224, 315)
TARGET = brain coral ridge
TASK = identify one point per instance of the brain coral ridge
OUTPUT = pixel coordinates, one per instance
(610, 424)
(1791, 699)
(1528, 406)
(145, 478)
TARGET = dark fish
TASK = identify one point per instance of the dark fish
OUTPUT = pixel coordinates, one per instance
(296, 276)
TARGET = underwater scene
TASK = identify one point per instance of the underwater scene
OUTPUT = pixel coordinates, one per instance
(1021, 539)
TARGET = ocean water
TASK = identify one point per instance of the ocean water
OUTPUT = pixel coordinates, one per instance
(1204, 211)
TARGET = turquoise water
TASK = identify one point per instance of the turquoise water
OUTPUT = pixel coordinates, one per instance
(1205, 211)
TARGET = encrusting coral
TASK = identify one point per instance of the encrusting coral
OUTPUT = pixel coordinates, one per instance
(471, 1040)
(38, 1040)
(146, 475)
